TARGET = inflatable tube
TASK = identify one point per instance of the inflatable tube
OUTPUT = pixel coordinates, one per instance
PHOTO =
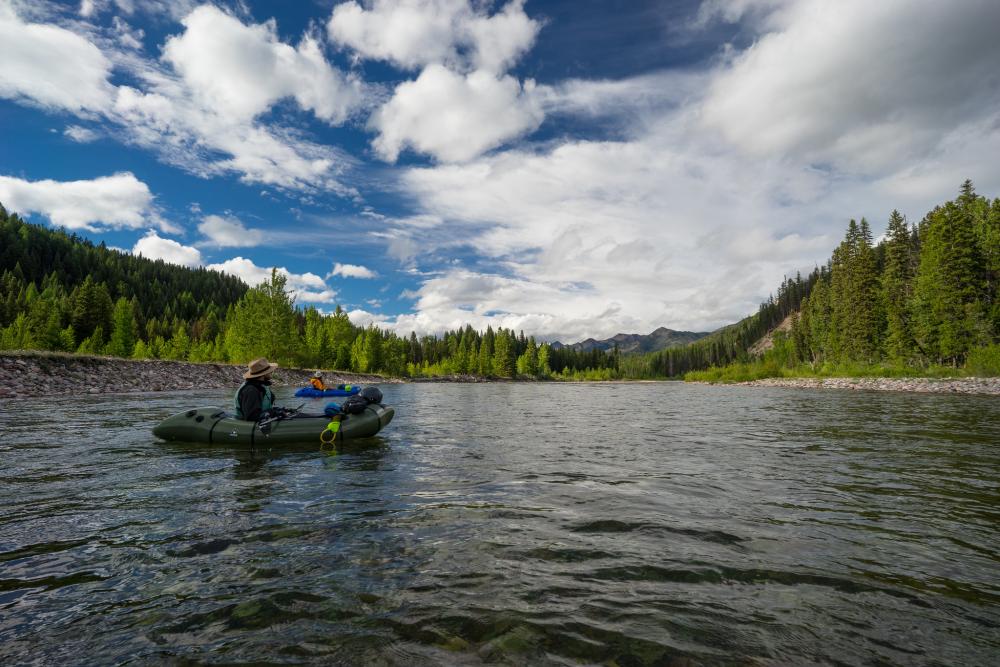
(214, 426)
(312, 392)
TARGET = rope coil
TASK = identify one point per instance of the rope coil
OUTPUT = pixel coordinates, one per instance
(328, 436)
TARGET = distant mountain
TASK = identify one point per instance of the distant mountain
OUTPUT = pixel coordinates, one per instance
(660, 339)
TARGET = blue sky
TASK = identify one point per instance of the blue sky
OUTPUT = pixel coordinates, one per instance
(571, 169)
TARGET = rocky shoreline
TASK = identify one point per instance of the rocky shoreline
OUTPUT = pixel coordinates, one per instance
(970, 385)
(461, 378)
(25, 374)
(30, 373)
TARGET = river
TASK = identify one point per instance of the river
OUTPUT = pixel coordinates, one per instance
(628, 524)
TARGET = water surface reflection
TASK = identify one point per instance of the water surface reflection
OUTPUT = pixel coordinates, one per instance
(612, 523)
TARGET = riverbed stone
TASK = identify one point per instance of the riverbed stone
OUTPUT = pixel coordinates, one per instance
(956, 385)
(30, 373)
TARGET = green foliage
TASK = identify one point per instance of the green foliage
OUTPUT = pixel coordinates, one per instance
(948, 296)
(91, 308)
(926, 308)
(141, 350)
(123, 331)
(984, 361)
(924, 299)
(264, 324)
(897, 288)
(18, 335)
(94, 343)
(503, 355)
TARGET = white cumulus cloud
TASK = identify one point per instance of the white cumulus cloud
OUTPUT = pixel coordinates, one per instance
(116, 201)
(351, 271)
(455, 117)
(306, 287)
(726, 179)
(81, 135)
(153, 246)
(200, 106)
(416, 33)
(51, 66)
(229, 232)
(240, 71)
(863, 84)
(223, 75)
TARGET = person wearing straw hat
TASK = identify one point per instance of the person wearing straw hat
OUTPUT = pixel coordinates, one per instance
(317, 381)
(254, 397)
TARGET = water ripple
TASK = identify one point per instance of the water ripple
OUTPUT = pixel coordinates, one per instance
(504, 524)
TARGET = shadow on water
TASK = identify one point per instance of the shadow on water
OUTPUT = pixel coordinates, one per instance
(377, 445)
(508, 524)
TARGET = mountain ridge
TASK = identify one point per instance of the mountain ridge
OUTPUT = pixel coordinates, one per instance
(659, 339)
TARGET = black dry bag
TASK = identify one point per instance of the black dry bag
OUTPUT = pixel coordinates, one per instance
(372, 394)
(354, 405)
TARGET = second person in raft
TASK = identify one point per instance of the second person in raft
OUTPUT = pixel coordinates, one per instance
(317, 381)
(254, 396)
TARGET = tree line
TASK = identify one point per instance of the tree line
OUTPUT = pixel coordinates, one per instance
(923, 295)
(61, 292)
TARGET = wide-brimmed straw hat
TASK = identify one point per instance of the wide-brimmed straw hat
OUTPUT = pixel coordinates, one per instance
(259, 368)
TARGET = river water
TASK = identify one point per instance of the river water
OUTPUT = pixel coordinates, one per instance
(626, 524)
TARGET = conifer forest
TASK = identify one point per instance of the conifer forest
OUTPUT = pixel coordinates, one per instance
(921, 297)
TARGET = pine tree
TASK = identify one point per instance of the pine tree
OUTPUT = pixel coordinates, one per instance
(503, 354)
(179, 345)
(532, 353)
(123, 329)
(798, 335)
(897, 288)
(949, 285)
(18, 335)
(866, 314)
(359, 357)
(264, 323)
(91, 308)
(315, 345)
(838, 341)
(986, 225)
(819, 316)
(372, 349)
(544, 368)
(486, 353)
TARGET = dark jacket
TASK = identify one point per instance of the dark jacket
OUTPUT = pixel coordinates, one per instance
(253, 398)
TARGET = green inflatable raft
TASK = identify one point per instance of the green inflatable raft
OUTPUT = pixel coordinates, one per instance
(214, 425)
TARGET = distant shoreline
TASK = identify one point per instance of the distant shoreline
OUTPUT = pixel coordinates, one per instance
(32, 373)
(967, 385)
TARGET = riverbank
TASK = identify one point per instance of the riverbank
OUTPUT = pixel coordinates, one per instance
(968, 385)
(31, 373)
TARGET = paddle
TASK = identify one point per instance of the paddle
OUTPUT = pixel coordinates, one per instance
(284, 414)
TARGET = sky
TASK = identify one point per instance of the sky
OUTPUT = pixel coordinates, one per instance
(572, 168)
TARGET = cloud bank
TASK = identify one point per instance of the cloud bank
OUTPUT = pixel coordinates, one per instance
(118, 201)
(569, 208)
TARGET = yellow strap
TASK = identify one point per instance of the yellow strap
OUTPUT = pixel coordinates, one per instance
(328, 436)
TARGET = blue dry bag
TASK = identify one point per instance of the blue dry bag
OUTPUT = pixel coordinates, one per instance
(331, 409)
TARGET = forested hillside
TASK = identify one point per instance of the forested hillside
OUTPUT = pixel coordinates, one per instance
(925, 295)
(659, 339)
(61, 292)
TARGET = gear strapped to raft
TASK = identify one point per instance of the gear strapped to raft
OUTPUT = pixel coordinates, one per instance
(275, 415)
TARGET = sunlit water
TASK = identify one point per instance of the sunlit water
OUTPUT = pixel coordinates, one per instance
(522, 523)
